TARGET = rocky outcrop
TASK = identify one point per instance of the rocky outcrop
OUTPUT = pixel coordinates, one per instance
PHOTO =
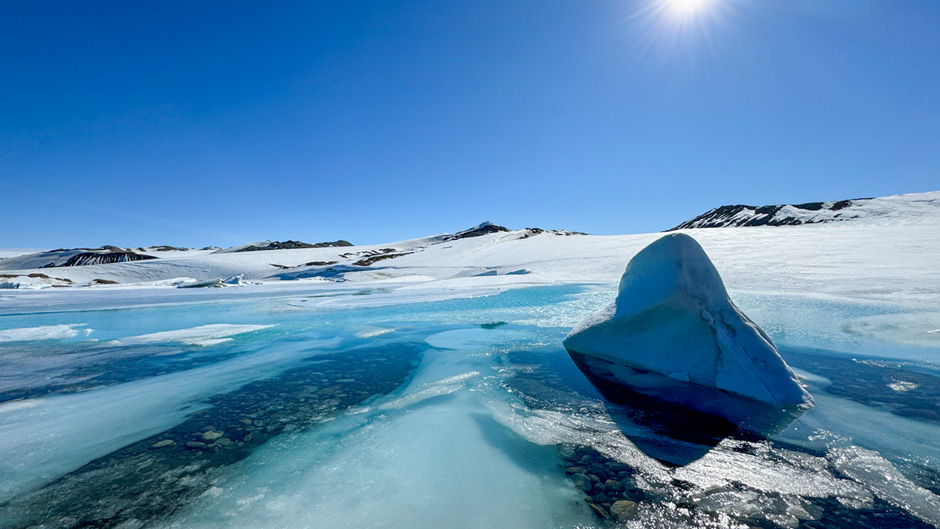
(776, 215)
(477, 231)
(96, 258)
(289, 245)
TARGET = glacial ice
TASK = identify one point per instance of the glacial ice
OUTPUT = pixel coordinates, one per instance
(673, 316)
(467, 434)
(47, 437)
(427, 457)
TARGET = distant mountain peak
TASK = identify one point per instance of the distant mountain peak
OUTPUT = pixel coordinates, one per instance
(481, 229)
(908, 207)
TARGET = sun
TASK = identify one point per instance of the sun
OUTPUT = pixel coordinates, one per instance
(685, 8)
(676, 25)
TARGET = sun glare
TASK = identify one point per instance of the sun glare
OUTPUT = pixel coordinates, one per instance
(686, 8)
(672, 25)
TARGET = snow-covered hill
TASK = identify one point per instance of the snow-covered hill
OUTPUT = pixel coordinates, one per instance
(898, 208)
(890, 252)
(72, 257)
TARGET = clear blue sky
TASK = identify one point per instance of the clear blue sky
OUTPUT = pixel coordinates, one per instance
(197, 123)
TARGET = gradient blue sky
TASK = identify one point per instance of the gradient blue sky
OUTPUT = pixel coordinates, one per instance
(197, 123)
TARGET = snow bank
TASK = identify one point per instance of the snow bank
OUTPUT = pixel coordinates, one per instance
(673, 316)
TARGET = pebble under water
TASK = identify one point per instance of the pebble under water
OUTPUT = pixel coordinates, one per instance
(457, 413)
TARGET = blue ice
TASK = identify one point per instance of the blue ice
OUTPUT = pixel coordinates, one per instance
(472, 438)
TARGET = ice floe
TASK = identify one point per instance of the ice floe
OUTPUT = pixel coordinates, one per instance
(672, 316)
(204, 335)
(43, 332)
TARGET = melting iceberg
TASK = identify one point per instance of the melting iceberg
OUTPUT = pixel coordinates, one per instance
(673, 326)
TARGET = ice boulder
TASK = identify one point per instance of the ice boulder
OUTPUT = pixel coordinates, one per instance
(673, 317)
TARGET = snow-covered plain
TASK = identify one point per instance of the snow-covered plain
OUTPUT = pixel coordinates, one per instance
(431, 389)
(880, 256)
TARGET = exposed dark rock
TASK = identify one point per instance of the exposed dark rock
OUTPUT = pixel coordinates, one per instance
(812, 206)
(311, 263)
(99, 257)
(44, 276)
(94, 258)
(105, 248)
(338, 243)
(741, 215)
(111, 248)
(99, 281)
(162, 248)
(532, 232)
(291, 245)
(375, 258)
(476, 231)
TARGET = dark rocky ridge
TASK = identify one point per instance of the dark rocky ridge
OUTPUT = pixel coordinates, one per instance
(476, 231)
(104, 248)
(293, 245)
(95, 258)
(741, 215)
(163, 248)
(381, 255)
(63, 257)
(532, 232)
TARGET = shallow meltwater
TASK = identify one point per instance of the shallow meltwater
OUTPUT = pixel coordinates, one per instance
(458, 413)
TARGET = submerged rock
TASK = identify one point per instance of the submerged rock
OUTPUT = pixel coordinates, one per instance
(673, 317)
(623, 510)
